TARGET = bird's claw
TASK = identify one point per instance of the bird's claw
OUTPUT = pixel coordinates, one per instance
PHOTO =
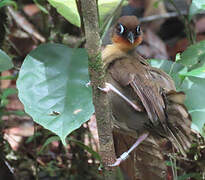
(123, 157)
(106, 89)
(88, 84)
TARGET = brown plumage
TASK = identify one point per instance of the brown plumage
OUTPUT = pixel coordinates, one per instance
(161, 111)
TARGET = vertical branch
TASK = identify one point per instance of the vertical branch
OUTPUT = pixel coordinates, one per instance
(97, 76)
(78, 4)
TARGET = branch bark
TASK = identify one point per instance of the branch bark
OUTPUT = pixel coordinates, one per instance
(97, 76)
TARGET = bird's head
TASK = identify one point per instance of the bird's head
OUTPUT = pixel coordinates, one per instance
(127, 33)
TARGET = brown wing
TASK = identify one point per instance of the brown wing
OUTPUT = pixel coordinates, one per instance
(133, 73)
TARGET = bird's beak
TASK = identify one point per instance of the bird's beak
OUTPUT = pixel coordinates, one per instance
(130, 37)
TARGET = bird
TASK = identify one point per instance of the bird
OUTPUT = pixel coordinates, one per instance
(143, 99)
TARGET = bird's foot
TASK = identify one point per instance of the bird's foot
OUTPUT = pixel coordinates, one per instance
(109, 87)
(125, 155)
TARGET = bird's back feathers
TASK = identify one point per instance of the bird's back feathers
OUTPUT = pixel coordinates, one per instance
(164, 112)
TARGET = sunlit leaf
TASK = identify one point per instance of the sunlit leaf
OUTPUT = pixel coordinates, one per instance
(197, 6)
(52, 87)
(68, 9)
(198, 72)
(8, 3)
(106, 7)
(193, 54)
(195, 101)
(198, 121)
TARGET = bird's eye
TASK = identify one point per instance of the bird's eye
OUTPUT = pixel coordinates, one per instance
(138, 29)
(120, 29)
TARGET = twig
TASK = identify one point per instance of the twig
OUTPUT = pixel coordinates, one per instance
(161, 16)
(97, 76)
(25, 25)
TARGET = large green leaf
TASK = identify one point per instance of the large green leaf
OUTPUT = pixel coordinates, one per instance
(68, 9)
(195, 101)
(193, 54)
(198, 121)
(194, 89)
(197, 6)
(5, 61)
(52, 87)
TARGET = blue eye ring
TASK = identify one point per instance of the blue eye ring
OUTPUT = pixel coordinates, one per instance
(138, 29)
(120, 28)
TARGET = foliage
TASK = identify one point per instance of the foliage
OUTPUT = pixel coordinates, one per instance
(5, 61)
(52, 83)
(5, 64)
(68, 9)
(40, 6)
(197, 6)
(52, 87)
(188, 72)
(194, 54)
(8, 2)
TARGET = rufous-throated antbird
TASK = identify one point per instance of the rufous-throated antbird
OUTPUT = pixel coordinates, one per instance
(143, 99)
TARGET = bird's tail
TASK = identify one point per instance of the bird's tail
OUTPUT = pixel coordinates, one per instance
(179, 123)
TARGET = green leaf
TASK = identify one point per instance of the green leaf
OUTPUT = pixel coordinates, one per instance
(33, 137)
(7, 92)
(194, 89)
(193, 54)
(4, 95)
(8, 3)
(195, 101)
(156, 3)
(192, 85)
(40, 6)
(198, 121)
(48, 141)
(178, 57)
(79, 143)
(13, 77)
(52, 87)
(106, 8)
(68, 9)
(197, 6)
(18, 113)
(198, 72)
(170, 67)
(5, 61)
(196, 176)
(87, 148)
